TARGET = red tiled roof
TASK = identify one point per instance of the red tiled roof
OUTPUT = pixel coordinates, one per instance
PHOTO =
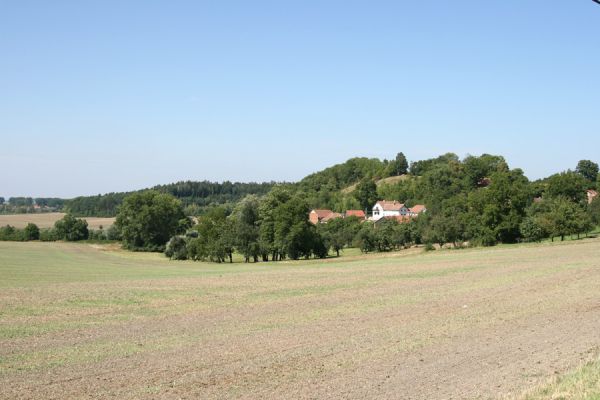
(417, 209)
(322, 213)
(355, 213)
(330, 216)
(390, 205)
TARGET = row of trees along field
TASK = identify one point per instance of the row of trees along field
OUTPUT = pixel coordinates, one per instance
(274, 227)
(474, 201)
(478, 200)
(69, 228)
(24, 205)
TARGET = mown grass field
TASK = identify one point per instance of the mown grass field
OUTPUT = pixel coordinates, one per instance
(47, 220)
(80, 320)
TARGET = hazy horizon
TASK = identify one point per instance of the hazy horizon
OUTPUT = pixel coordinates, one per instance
(114, 97)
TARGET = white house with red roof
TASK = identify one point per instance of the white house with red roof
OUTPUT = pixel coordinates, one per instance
(386, 209)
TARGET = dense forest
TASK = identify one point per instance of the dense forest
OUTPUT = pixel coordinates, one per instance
(195, 196)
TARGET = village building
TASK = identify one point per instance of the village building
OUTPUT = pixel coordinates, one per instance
(316, 216)
(384, 208)
(355, 213)
(395, 209)
(322, 216)
(416, 210)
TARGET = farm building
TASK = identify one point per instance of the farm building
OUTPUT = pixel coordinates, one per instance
(417, 209)
(322, 216)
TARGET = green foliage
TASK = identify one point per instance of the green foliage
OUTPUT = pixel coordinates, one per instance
(339, 233)
(594, 211)
(366, 193)
(216, 237)
(71, 229)
(478, 168)
(418, 168)
(557, 216)
(343, 175)
(441, 182)
(246, 228)
(31, 232)
(533, 229)
(25, 205)
(500, 208)
(53, 203)
(147, 220)
(407, 191)
(444, 229)
(399, 166)
(567, 184)
(588, 169)
(294, 235)
(113, 233)
(195, 196)
(20, 201)
(48, 235)
(323, 189)
(10, 233)
(365, 238)
(176, 248)
(386, 235)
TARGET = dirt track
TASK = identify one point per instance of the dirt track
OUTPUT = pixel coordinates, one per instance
(458, 324)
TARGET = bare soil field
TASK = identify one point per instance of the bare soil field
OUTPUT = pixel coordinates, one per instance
(80, 321)
(47, 220)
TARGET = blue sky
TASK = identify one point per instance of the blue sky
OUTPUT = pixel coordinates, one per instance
(120, 95)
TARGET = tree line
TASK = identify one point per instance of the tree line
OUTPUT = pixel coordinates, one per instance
(196, 197)
(68, 228)
(24, 205)
(473, 201)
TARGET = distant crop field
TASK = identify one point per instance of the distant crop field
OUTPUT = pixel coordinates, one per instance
(89, 321)
(47, 220)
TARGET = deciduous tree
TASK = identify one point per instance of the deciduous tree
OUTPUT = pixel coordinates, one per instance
(147, 220)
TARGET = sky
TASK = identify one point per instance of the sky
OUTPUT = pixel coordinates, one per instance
(110, 96)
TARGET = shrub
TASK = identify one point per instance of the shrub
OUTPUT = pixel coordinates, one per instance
(71, 229)
(113, 233)
(10, 233)
(96, 235)
(31, 232)
(176, 248)
(48, 235)
(429, 246)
